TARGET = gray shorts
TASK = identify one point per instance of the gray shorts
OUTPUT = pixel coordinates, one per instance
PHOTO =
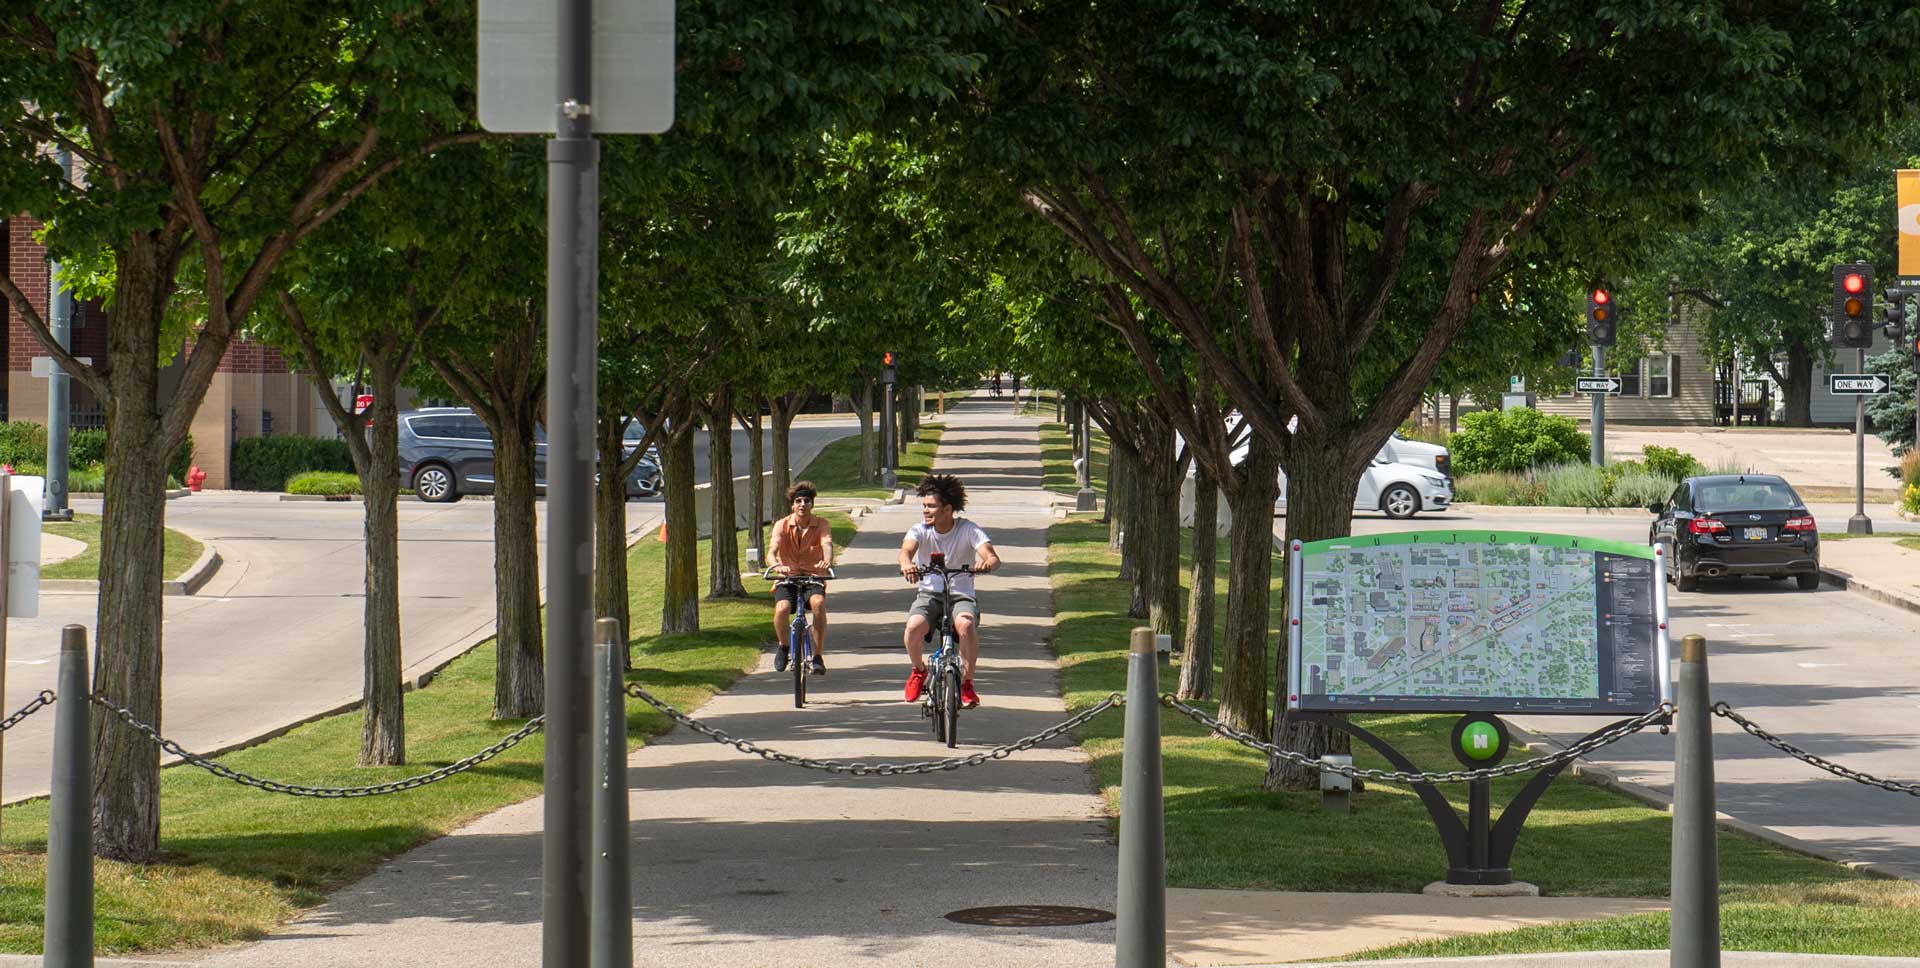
(927, 604)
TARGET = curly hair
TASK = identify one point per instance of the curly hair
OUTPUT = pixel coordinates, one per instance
(946, 487)
(801, 489)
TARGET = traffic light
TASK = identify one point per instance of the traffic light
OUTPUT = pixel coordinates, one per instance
(1894, 315)
(1600, 317)
(886, 358)
(1852, 303)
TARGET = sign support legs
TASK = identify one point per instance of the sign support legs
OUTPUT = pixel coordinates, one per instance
(1597, 448)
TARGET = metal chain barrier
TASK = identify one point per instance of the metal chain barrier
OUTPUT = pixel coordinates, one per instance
(512, 739)
(1725, 711)
(877, 769)
(39, 702)
(1622, 731)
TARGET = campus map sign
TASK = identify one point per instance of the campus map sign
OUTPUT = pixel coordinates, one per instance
(1483, 621)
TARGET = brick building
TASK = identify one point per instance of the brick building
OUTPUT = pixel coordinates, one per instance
(253, 393)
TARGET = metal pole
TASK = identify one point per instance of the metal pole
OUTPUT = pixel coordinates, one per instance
(887, 434)
(59, 392)
(612, 884)
(573, 270)
(69, 942)
(1694, 938)
(1085, 499)
(1597, 449)
(1860, 523)
(1141, 932)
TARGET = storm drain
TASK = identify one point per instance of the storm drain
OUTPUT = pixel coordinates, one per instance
(1030, 916)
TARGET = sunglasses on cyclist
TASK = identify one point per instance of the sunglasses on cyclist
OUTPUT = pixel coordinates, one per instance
(803, 500)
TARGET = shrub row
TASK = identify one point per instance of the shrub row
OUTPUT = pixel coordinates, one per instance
(1622, 485)
(24, 445)
(267, 463)
(328, 483)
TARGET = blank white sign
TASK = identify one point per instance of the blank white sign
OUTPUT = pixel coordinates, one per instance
(632, 66)
(23, 546)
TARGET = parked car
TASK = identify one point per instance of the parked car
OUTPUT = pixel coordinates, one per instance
(1728, 525)
(1405, 478)
(446, 452)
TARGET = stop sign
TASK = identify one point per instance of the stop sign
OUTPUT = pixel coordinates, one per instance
(362, 402)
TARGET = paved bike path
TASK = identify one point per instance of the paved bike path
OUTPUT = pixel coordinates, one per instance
(741, 862)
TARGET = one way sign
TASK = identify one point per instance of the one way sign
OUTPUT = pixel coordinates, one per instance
(1609, 385)
(1858, 384)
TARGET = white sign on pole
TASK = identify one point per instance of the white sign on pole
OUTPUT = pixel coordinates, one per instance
(1858, 384)
(632, 66)
(28, 497)
(42, 366)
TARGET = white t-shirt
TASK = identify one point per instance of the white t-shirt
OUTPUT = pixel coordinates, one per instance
(959, 545)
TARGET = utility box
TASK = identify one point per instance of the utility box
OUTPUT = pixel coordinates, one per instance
(1336, 789)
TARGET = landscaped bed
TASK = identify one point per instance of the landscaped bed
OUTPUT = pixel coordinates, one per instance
(1223, 831)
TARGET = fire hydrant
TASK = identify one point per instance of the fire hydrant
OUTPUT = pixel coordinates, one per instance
(194, 478)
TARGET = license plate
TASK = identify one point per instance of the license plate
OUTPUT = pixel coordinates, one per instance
(1755, 534)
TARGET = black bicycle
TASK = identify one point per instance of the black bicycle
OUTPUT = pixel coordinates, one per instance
(940, 701)
(800, 629)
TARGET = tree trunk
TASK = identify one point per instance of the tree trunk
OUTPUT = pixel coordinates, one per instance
(1157, 518)
(1196, 654)
(127, 654)
(723, 561)
(610, 526)
(1453, 412)
(519, 684)
(383, 734)
(1243, 659)
(1798, 386)
(902, 421)
(681, 610)
(1321, 480)
(916, 398)
(869, 447)
(751, 421)
(783, 414)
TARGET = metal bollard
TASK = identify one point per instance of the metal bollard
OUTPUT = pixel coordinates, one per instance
(611, 944)
(69, 942)
(1141, 935)
(1694, 937)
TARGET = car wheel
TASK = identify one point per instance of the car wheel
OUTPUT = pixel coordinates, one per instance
(434, 483)
(1808, 580)
(1686, 582)
(1400, 501)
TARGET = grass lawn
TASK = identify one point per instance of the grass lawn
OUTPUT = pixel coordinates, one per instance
(239, 862)
(836, 469)
(1223, 831)
(1056, 460)
(180, 551)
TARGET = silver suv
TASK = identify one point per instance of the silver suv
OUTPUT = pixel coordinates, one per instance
(446, 452)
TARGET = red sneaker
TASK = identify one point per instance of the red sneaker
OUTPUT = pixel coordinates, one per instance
(916, 683)
(968, 697)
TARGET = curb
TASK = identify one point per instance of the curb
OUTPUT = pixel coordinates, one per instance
(1602, 777)
(196, 576)
(1842, 579)
(899, 496)
(319, 497)
(101, 495)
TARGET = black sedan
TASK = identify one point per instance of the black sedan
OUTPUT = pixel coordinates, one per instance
(1736, 524)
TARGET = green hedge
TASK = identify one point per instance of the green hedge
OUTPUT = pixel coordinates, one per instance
(266, 463)
(1514, 440)
(328, 483)
(24, 443)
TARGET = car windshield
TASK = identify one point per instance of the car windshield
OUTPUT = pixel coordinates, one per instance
(1745, 496)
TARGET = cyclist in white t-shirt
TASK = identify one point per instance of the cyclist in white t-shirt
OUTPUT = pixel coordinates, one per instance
(962, 543)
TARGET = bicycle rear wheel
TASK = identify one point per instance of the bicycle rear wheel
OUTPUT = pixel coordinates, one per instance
(950, 705)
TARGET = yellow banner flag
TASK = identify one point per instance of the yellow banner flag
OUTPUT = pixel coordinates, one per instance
(1906, 184)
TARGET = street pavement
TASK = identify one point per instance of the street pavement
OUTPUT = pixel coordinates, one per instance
(739, 861)
(1807, 456)
(275, 637)
(1830, 670)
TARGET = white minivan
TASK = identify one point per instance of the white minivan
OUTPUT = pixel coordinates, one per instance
(1405, 478)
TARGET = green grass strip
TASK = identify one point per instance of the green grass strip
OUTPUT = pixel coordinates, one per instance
(836, 469)
(180, 551)
(1056, 460)
(1224, 831)
(239, 862)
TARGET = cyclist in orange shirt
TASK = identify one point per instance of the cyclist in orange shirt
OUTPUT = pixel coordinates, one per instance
(802, 545)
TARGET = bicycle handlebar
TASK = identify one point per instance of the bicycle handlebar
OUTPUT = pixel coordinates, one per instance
(768, 575)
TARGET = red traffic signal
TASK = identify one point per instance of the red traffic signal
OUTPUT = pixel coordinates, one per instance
(1600, 296)
(886, 358)
(1854, 282)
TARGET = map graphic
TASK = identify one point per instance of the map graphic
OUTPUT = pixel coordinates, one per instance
(1491, 621)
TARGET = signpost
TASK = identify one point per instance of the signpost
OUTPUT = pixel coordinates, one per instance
(573, 68)
(1604, 385)
(1476, 623)
(887, 430)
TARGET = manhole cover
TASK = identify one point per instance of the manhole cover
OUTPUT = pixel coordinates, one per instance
(1030, 916)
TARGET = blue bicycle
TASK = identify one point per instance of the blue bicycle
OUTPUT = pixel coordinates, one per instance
(945, 669)
(799, 643)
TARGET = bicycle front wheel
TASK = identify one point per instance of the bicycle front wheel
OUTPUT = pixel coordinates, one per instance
(797, 660)
(950, 706)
